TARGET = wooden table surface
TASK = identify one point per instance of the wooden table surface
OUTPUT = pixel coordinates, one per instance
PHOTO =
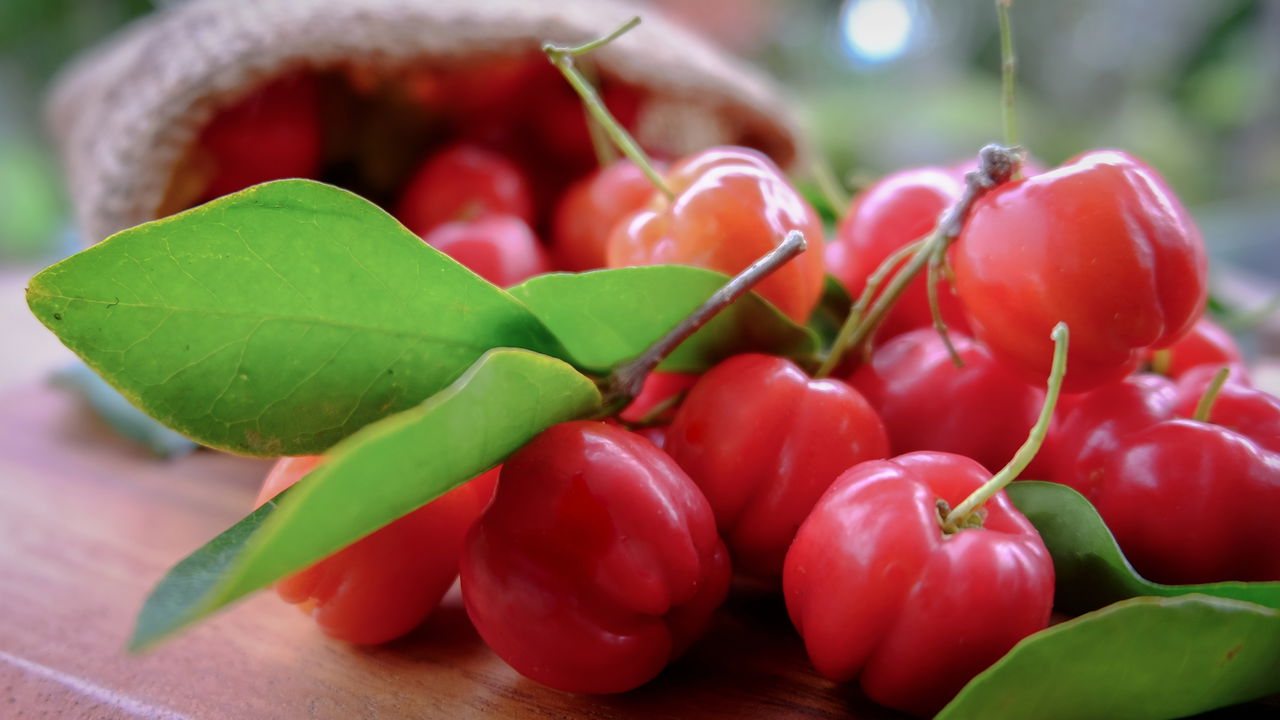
(89, 522)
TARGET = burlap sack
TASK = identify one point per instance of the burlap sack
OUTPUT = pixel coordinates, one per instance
(124, 113)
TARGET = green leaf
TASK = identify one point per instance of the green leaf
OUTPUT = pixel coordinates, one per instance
(610, 316)
(1091, 571)
(833, 308)
(277, 320)
(120, 414)
(373, 477)
(1141, 659)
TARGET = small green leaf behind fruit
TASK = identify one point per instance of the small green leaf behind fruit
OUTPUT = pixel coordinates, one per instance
(1090, 568)
(606, 317)
(1145, 658)
(833, 308)
(277, 320)
(373, 477)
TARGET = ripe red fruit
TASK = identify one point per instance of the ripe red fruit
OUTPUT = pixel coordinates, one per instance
(499, 248)
(982, 410)
(1100, 243)
(273, 133)
(463, 182)
(763, 441)
(731, 206)
(598, 562)
(385, 584)
(589, 210)
(1207, 343)
(879, 592)
(1187, 501)
(897, 211)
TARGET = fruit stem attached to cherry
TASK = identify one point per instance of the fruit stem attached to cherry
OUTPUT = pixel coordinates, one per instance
(1210, 396)
(936, 263)
(1008, 67)
(997, 164)
(959, 517)
(563, 58)
(624, 383)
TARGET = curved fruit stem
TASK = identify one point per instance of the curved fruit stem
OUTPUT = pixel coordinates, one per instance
(997, 164)
(959, 516)
(625, 381)
(601, 144)
(1210, 396)
(562, 57)
(1008, 67)
(933, 277)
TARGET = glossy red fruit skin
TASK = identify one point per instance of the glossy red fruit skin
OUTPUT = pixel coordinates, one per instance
(896, 211)
(879, 593)
(1207, 343)
(732, 206)
(982, 411)
(273, 133)
(384, 585)
(763, 441)
(499, 248)
(1100, 243)
(589, 210)
(463, 182)
(597, 563)
(1187, 501)
(658, 388)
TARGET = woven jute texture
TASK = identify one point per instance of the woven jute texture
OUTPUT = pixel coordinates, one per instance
(124, 113)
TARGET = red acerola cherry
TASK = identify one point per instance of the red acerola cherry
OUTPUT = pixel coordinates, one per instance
(273, 133)
(658, 388)
(731, 206)
(499, 248)
(1187, 501)
(1207, 343)
(1100, 243)
(880, 592)
(598, 562)
(763, 440)
(589, 210)
(982, 410)
(463, 182)
(384, 585)
(897, 211)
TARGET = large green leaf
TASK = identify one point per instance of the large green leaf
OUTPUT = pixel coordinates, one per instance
(277, 320)
(1145, 658)
(608, 316)
(373, 477)
(1091, 571)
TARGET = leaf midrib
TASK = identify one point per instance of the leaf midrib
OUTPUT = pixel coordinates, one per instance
(443, 340)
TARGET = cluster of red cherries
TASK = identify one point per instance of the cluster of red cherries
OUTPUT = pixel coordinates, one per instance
(598, 553)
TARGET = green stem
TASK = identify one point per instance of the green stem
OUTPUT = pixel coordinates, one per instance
(601, 144)
(935, 308)
(874, 281)
(1008, 68)
(997, 165)
(1161, 360)
(1210, 396)
(959, 516)
(625, 381)
(562, 57)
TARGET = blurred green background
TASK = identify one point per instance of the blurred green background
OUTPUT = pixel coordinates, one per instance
(1193, 87)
